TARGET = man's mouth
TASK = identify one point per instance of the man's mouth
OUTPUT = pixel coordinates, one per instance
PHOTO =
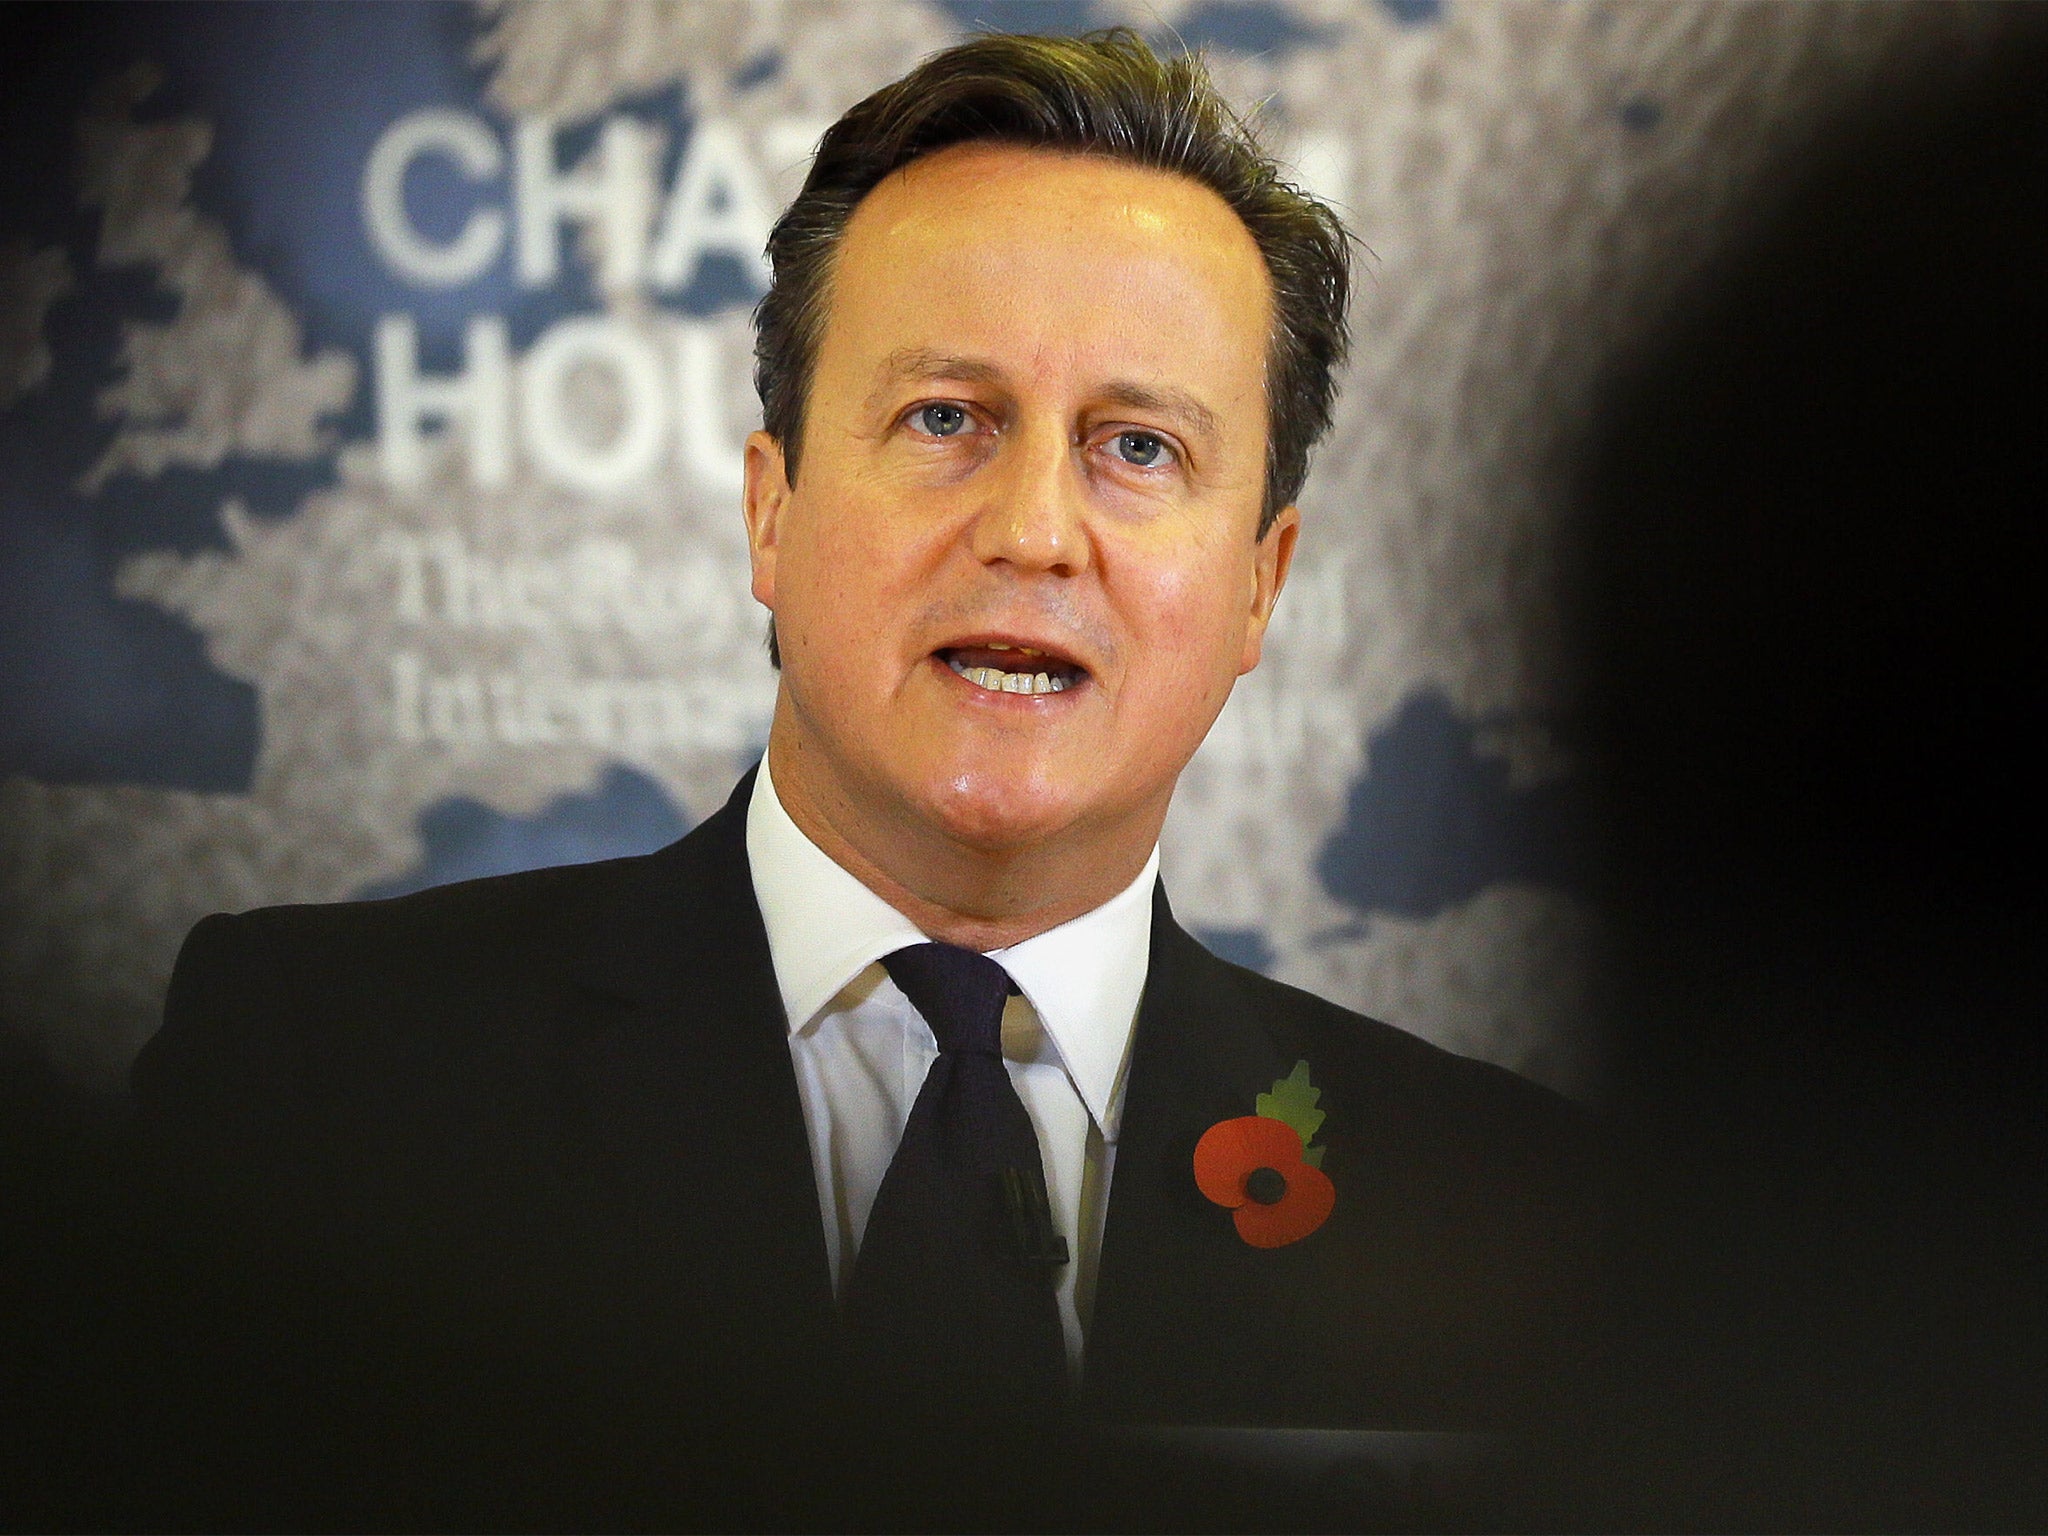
(1002, 668)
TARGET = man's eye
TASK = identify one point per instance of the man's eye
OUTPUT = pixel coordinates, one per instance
(939, 420)
(1142, 449)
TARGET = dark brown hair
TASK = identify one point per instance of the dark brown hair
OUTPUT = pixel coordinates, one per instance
(1106, 93)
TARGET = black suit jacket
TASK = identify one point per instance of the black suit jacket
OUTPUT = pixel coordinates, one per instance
(512, 1176)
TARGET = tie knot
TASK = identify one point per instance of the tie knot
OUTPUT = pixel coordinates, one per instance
(960, 993)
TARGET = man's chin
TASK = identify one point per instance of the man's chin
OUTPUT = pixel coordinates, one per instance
(993, 814)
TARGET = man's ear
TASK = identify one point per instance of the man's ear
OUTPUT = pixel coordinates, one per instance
(767, 498)
(1271, 558)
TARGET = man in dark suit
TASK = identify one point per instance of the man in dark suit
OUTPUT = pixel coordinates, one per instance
(894, 1089)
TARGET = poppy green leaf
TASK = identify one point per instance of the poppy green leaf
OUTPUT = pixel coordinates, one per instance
(1293, 1100)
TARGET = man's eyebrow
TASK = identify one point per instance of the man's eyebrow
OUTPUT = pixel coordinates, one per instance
(1166, 401)
(907, 364)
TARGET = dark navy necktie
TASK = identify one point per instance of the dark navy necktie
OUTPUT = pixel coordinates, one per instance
(952, 1294)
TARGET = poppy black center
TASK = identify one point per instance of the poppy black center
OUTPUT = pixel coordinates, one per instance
(1268, 1186)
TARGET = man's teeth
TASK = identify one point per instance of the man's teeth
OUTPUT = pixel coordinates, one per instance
(995, 680)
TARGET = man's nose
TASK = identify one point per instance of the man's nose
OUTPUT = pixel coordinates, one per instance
(1034, 512)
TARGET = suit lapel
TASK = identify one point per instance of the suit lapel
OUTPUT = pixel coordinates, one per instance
(1186, 1314)
(679, 1096)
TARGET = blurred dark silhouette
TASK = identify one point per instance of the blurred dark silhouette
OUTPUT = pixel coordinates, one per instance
(1814, 639)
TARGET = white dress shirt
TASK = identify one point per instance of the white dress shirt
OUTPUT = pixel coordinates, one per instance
(861, 1050)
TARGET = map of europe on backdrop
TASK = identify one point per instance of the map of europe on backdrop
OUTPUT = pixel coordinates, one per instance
(372, 380)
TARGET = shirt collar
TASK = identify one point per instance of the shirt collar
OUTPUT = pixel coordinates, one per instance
(1083, 978)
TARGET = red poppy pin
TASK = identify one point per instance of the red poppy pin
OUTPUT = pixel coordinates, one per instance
(1262, 1168)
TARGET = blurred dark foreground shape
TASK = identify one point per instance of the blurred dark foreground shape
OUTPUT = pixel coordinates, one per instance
(1814, 604)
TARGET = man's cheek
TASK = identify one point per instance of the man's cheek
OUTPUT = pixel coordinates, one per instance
(1189, 613)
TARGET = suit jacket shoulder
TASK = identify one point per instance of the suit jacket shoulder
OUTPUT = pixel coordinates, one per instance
(1481, 1127)
(295, 1001)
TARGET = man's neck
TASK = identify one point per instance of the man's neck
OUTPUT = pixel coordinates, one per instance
(976, 898)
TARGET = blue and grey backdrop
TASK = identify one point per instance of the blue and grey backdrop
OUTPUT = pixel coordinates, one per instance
(371, 386)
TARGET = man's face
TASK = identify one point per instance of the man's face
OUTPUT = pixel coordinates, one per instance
(1018, 573)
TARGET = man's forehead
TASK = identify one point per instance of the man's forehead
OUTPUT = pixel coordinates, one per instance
(984, 263)
(998, 177)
